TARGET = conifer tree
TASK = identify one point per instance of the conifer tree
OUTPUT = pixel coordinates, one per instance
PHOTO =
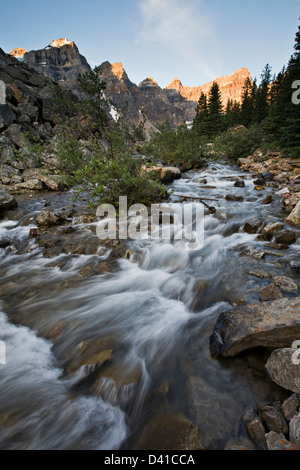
(215, 121)
(262, 101)
(200, 121)
(283, 122)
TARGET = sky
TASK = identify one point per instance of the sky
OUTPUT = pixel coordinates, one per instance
(195, 40)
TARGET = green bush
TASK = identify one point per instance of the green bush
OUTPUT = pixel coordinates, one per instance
(238, 144)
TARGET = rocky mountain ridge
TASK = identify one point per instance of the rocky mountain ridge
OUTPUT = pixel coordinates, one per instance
(62, 62)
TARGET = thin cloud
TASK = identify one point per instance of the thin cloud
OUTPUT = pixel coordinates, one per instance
(180, 26)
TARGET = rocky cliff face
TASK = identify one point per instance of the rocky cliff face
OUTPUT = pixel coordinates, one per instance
(60, 61)
(147, 100)
(176, 102)
(231, 87)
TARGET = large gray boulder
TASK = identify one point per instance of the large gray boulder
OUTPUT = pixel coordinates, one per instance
(283, 369)
(7, 116)
(7, 201)
(274, 324)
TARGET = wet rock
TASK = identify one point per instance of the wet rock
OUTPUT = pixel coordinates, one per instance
(294, 217)
(252, 226)
(290, 407)
(252, 253)
(277, 441)
(47, 219)
(239, 184)
(273, 324)
(209, 411)
(95, 267)
(286, 237)
(283, 191)
(270, 229)
(295, 265)
(259, 188)
(260, 274)
(259, 182)
(286, 284)
(268, 200)
(281, 368)
(34, 233)
(92, 354)
(295, 430)
(232, 197)
(255, 428)
(273, 418)
(269, 293)
(7, 201)
(30, 185)
(117, 253)
(268, 176)
(168, 431)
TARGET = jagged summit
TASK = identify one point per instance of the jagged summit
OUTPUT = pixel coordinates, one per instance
(175, 84)
(149, 81)
(18, 52)
(61, 42)
(118, 70)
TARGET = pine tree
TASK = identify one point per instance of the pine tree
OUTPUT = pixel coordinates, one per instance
(248, 99)
(215, 121)
(283, 122)
(262, 102)
(232, 114)
(200, 121)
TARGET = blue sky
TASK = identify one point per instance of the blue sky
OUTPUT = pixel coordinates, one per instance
(196, 40)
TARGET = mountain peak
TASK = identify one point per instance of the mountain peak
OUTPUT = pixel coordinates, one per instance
(18, 52)
(61, 42)
(149, 81)
(175, 84)
(118, 70)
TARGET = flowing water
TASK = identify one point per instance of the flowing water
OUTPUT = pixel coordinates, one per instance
(147, 323)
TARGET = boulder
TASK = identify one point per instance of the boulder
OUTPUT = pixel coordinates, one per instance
(46, 219)
(7, 116)
(239, 184)
(232, 197)
(295, 430)
(274, 324)
(268, 199)
(295, 265)
(166, 174)
(273, 418)
(7, 201)
(255, 428)
(269, 293)
(286, 284)
(277, 441)
(252, 225)
(269, 230)
(285, 237)
(294, 217)
(30, 185)
(290, 407)
(282, 370)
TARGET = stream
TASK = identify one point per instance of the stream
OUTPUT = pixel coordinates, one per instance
(120, 359)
